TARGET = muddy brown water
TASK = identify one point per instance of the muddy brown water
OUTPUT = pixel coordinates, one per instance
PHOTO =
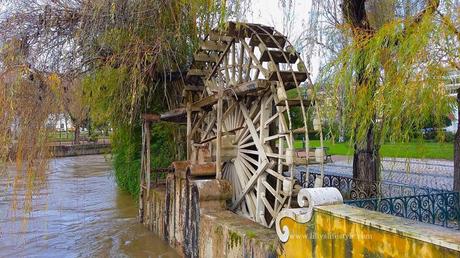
(78, 212)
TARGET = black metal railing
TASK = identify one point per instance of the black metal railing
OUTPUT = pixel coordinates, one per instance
(429, 205)
(353, 189)
(440, 208)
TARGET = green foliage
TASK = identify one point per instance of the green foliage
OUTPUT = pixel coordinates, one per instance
(390, 83)
(414, 149)
(165, 145)
(126, 151)
(102, 91)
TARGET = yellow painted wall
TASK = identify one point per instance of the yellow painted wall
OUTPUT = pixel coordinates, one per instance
(329, 236)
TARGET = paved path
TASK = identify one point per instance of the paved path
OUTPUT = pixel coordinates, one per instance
(423, 173)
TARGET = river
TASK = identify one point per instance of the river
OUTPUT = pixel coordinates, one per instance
(78, 212)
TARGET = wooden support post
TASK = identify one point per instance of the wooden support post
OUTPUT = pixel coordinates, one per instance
(219, 135)
(147, 156)
(147, 119)
(263, 133)
(142, 177)
(189, 130)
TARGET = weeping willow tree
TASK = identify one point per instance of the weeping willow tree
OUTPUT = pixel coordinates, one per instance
(447, 49)
(28, 98)
(387, 74)
(121, 57)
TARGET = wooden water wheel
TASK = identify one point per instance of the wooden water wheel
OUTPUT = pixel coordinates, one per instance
(239, 116)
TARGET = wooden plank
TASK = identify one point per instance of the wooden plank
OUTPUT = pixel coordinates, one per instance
(234, 62)
(247, 87)
(250, 52)
(240, 65)
(189, 130)
(214, 69)
(197, 125)
(250, 199)
(288, 76)
(209, 128)
(247, 29)
(203, 57)
(212, 45)
(253, 132)
(205, 102)
(219, 137)
(274, 41)
(219, 37)
(248, 186)
(151, 117)
(174, 115)
(278, 56)
(197, 72)
(247, 76)
(147, 158)
(259, 28)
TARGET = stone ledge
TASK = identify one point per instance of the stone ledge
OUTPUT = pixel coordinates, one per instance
(445, 237)
(239, 237)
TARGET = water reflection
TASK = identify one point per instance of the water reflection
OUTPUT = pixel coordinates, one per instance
(79, 212)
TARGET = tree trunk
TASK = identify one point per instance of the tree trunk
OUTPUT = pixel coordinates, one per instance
(366, 159)
(456, 186)
(76, 139)
(366, 168)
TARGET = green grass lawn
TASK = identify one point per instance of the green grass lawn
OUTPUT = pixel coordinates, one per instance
(427, 150)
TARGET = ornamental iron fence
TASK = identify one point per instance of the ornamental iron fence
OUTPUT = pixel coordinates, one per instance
(441, 209)
(429, 205)
(353, 189)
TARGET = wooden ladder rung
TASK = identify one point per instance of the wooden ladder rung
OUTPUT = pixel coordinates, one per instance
(278, 56)
(213, 46)
(288, 76)
(274, 41)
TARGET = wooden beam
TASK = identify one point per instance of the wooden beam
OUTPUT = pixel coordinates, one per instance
(189, 130)
(197, 72)
(247, 87)
(250, 183)
(150, 117)
(219, 136)
(205, 102)
(177, 115)
(212, 45)
(214, 69)
(288, 76)
(219, 37)
(190, 87)
(278, 56)
(269, 40)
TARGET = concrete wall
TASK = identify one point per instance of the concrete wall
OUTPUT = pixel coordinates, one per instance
(345, 231)
(79, 149)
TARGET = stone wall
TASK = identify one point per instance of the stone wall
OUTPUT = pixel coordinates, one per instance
(79, 149)
(190, 213)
